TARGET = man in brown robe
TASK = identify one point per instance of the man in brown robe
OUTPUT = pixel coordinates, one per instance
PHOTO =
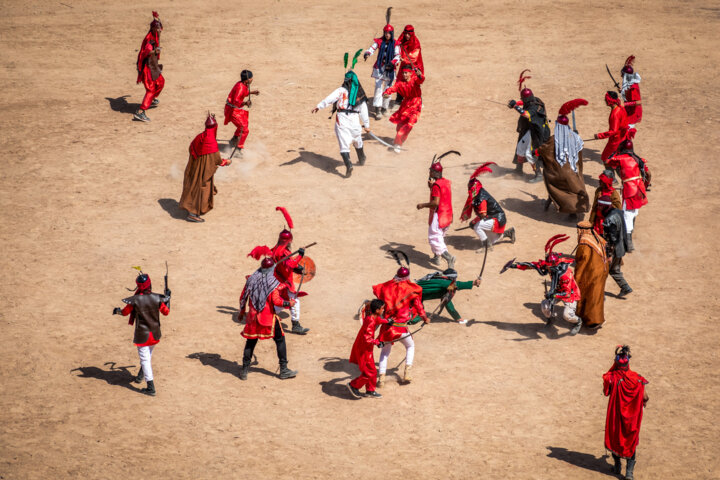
(198, 184)
(563, 165)
(591, 271)
(605, 189)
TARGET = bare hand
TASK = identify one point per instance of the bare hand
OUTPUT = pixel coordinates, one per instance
(292, 302)
(426, 319)
(255, 92)
(596, 136)
(420, 206)
(477, 282)
(227, 161)
(385, 95)
(366, 130)
(314, 110)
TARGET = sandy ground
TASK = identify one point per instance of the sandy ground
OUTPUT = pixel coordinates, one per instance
(87, 193)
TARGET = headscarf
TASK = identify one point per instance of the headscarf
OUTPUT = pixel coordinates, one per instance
(386, 53)
(259, 286)
(610, 100)
(205, 143)
(356, 94)
(588, 236)
(567, 146)
(628, 80)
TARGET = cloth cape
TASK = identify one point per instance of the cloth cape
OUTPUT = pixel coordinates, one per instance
(591, 271)
(258, 288)
(565, 184)
(626, 390)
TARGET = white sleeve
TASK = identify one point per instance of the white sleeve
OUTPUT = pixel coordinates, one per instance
(372, 48)
(330, 99)
(396, 59)
(364, 115)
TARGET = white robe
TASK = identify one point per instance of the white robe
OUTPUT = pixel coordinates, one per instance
(347, 124)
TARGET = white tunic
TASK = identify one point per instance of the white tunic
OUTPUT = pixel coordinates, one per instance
(347, 123)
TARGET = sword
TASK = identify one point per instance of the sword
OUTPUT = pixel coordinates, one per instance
(590, 139)
(236, 147)
(613, 78)
(573, 118)
(294, 253)
(493, 101)
(382, 141)
(463, 228)
(484, 259)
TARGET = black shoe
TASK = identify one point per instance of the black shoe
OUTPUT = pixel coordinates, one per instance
(139, 377)
(373, 394)
(361, 155)
(141, 116)
(286, 373)
(617, 468)
(625, 290)
(155, 102)
(354, 391)
(299, 329)
(548, 202)
(348, 165)
(629, 469)
(244, 372)
(150, 389)
(518, 167)
(233, 142)
(576, 328)
(538, 175)
(510, 233)
(630, 246)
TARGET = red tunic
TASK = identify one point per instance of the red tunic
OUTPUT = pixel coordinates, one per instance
(145, 49)
(362, 349)
(411, 53)
(410, 108)
(403, 301)
(441, 189)
(236, 97)
(633, 192)
(567, 289)
(634, 112)
(284, 270)
(261, 325)
(625, 410)
(617, 133)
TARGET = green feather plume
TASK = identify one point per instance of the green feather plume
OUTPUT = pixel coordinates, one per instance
(346, 58)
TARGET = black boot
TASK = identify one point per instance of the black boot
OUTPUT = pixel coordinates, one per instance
(629, 468)
(538, 174)
(233, 142)
(625, 290)
(286, 373)
(139, 377)
(617, 468)
(630, 246)
(299, 329)
(244, 372)
(348, 166)
(518, 167)
(150, 389)
(361, 155)
(510, 233)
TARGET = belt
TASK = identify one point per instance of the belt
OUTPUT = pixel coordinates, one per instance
(346, 110)
(630, 179)
(233, 106)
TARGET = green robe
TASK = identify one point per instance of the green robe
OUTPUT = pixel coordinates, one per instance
(437, 287)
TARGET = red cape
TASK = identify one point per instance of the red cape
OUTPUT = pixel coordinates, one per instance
(625, 410)
(205, 143)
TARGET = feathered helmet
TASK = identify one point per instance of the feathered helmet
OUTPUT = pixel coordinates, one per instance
(286, 235)
(388, 28)
(622, 355)
(628, 145)
(142, 281)
(156, 23)
(400, 256)
(210, 121)
(484, 168)
(436, 167)
(567, 108)
(627, 68)
(552, 258)
(524, 91)
(265, 253)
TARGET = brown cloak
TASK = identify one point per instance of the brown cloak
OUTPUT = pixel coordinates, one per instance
(591, 271)
(565, 187)
(198, 184)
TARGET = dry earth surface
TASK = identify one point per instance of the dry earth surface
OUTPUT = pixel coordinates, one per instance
(87, 192)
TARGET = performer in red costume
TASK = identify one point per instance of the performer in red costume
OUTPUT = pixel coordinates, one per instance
(605, 196)
(262, 292)
(362, 350)
(490, 220)
(144, 308)
(407, 115)
(630, 93)
(403, 303)
(618, 125)
(285, 268)
(410, 56)
(441, 213)
(634, 174)
(384, 68)
(236, 109)
(562, 285)
(199, 178)
(149, 70)
(628, 398)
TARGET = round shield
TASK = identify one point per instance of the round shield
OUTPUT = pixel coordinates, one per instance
(547, 308)
(309, 266)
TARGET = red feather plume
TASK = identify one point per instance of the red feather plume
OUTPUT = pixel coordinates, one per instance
(155, 14)
(260, 251)
(522, 79)
(554, 240)
(629, 61)
(286, 215)
(572, 105)
(484, 168)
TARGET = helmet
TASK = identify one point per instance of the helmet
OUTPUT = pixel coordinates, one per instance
(403, 272)
(628, 145)
(525, 93)
(472, 182)
(628, 69)
(436, 167)
(156, 24)
(552, 258)
(210, 121)
(563, 120)
(547, 308)
(285, 235)
(388, 28)
(267, 262)
(245, 74)
(143, 282)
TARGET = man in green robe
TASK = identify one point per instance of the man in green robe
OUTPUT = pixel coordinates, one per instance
(443, 286)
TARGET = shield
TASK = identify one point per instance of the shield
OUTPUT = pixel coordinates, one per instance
(309, 266)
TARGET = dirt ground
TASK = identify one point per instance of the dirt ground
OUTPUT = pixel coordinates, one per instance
(87, 193)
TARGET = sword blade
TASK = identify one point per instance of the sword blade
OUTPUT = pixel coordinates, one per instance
(380, 140)
(611, 76)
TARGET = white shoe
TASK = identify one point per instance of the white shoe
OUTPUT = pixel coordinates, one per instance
(462, 321)
(397, 148)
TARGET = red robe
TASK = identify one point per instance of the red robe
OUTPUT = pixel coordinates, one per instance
(634, 111)
(410, 108)
(238, 116)
(284, 270)
(633, 192)
(411, 53)
(625, 410)
(617, 133)
(567, 289)
(261, 325)
(403, 301)
(362, 352)
(442, 189)
(145, 49)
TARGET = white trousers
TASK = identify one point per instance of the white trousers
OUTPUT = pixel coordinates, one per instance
(294, 311)
(348, 130)
(569, 313)
(436, 236)
(381, 84)
(484, 228)
(524, 148)
(630, 218)
(409, 345)
(145, 354)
